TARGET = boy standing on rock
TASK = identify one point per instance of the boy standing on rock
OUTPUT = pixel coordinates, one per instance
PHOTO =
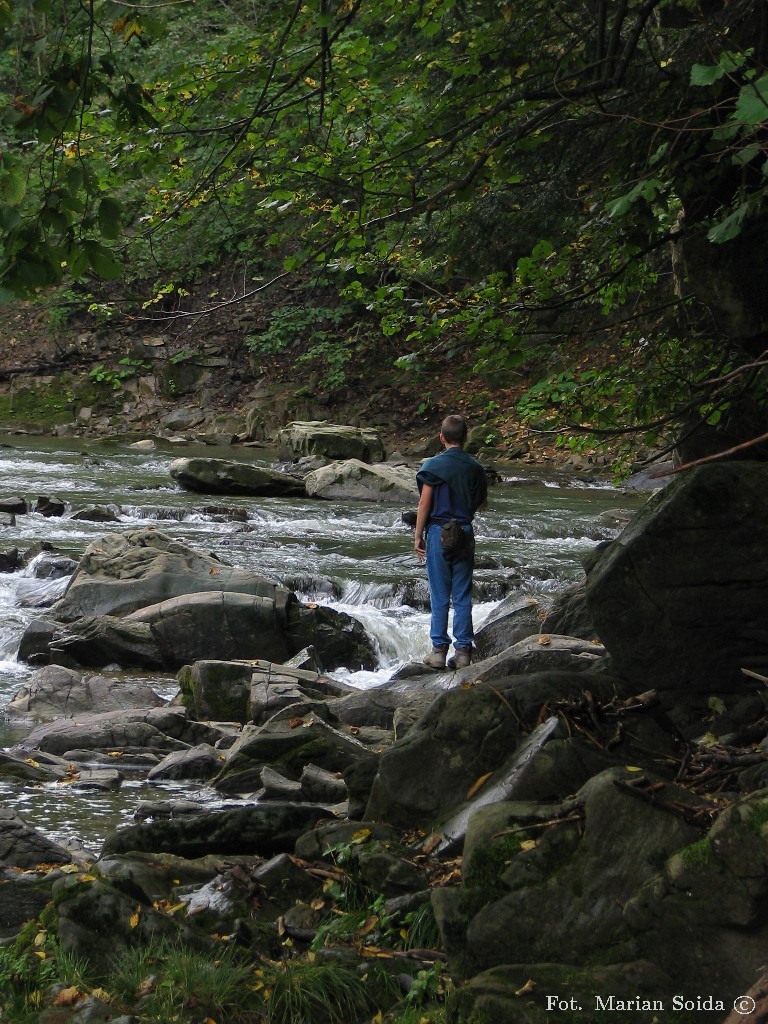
(452, 487)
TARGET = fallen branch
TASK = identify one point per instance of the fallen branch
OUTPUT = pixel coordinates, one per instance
(709, 458)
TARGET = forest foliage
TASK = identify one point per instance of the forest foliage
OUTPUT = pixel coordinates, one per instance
(476, 180)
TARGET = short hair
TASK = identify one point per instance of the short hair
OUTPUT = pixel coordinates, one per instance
(454, 429)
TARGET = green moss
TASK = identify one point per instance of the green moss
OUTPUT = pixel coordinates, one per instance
(758, 817)
(43, 403)
(489, 862)
(698, 854)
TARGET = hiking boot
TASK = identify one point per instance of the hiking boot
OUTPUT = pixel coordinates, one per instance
(461, 658)
(437, 658)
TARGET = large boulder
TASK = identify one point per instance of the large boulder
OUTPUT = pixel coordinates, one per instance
(288, 745)
(156, 729)
(353, 480)
(220, 626)
(221, 476)
(680, 598)
(467, 733)
(265, 829)
(121, 573)
(57, 692)
(22, 846)
(329, 441)
(628, 872)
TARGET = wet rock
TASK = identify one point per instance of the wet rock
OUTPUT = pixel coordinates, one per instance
(95, 514)
(12, 767)
(55, 691)
(577, 876)
(121, 573)
(156, 729)
(515, 619)
(14, 506)
(202, 761)
(263, 829)
(104, 780)
(316, 844)
(275, 786)
(322, 785)
(218, 690)
(221, 476)
(22, 846)
(354, 480)
(287, 746)
(86, 912)
(105, 640)
(10, 560)
(22, 898)
(570, 616)
(463, 735)
(48, 506)
(34, 646)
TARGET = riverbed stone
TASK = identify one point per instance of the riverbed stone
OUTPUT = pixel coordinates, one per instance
(217, 690)
(354, 480)
(202, 762)
(22, 846)
(466, 733)
(322, 785)
(330, 441)
(264, 829)
(288, 746)
(154, 729)
(222, 476)
(121, 573)
(55, 691)
(514, 619)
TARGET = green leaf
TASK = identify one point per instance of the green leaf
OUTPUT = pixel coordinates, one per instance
(110, 217)
(12, 187)
(706, 74)
(752, 104)
(730, 226)
(102, 261)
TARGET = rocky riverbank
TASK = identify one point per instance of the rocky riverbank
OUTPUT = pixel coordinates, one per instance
(578, 816)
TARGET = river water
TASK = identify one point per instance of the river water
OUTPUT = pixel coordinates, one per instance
(355, 556)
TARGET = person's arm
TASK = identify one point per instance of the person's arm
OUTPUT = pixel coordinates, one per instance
(422, 518)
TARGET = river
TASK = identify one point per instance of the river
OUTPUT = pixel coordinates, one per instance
(355, 556)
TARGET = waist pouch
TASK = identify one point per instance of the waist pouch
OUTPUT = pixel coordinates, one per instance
(454, 540)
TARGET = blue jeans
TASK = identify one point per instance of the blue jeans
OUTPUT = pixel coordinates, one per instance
(450, 581)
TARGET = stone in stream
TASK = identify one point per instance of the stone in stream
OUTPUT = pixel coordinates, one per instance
(354, 480)
(22, 846)
(221, 476)
(55, 692)
(155, 730)
(217, 626)
(121, 573)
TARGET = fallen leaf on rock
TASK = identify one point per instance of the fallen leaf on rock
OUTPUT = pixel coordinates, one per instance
(68, 996)
(477, 784)
(529, 986)
(430, 844)
(544, 639)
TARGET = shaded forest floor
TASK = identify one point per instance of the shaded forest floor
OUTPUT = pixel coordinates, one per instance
(59, 333)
